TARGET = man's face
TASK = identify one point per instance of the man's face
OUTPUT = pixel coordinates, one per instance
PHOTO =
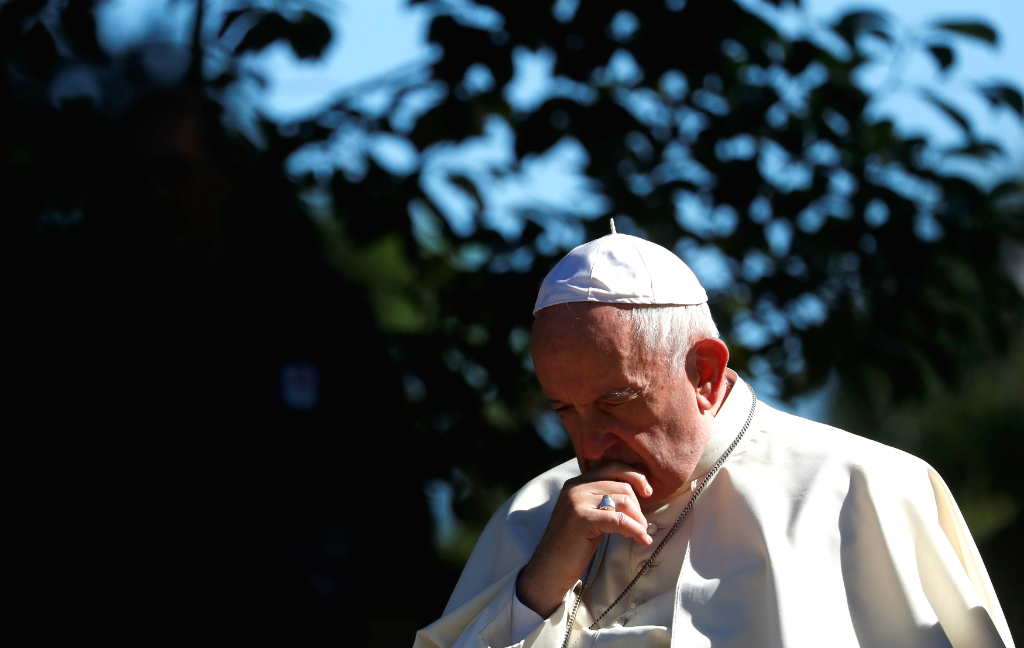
(618, 402)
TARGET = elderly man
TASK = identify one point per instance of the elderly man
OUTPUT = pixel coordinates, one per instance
(696, 515)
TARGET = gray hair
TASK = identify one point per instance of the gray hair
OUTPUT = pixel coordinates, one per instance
(672, 329)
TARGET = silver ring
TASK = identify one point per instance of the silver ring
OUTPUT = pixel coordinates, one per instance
(607, 503)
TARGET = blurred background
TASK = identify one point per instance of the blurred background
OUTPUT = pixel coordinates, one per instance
(273, 264)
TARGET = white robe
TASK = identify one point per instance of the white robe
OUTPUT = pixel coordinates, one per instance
(807, 536)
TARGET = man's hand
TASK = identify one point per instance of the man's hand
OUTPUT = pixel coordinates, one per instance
(575, 530)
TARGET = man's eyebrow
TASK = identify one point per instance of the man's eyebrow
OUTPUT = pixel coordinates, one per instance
(628, 391)
(619, 393)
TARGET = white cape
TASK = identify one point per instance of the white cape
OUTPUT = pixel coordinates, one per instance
(808, 536)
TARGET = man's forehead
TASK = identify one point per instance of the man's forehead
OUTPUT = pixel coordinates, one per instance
(600, 340)
(607, 339)
(583, 318)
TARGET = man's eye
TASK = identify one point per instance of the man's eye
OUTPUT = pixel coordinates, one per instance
(614, 399)
(617, 400)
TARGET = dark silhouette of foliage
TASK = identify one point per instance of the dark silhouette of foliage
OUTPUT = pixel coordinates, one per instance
(306, 349)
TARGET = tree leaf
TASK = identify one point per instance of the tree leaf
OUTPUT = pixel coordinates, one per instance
(269, 28)
(978, 30)
(40, 52)
(79, 26)
(880, 33)
(943, 56)
(13, 18)
(229, 19)
(950, 111)
(467, 185)
(258, 77)
(1005, 95)
(223, 80)
(309, 36)
(850, 25)
(978, 150)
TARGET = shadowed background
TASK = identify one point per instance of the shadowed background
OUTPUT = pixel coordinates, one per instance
(271, 333)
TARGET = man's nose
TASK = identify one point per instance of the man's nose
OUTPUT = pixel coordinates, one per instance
(595, 435)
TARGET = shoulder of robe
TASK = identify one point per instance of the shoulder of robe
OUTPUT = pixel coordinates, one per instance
(795, 441)
(894, 519)
(512, 533)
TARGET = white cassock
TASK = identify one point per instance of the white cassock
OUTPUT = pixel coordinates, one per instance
(807, 536)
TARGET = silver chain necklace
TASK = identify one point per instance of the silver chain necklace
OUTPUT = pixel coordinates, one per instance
(679, 520)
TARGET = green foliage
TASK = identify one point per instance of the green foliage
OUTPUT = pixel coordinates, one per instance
(718, 156)
(833, 244)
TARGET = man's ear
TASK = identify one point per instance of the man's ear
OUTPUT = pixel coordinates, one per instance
(710, 357)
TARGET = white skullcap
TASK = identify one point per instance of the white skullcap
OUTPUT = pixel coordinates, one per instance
(621, 269)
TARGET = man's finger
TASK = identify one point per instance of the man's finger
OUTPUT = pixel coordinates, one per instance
(616, 471)
(627, 518)
(621, 523)
(627, 504)
(611, 487)
(615, 488)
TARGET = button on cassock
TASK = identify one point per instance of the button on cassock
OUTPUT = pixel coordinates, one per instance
(652, 528)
